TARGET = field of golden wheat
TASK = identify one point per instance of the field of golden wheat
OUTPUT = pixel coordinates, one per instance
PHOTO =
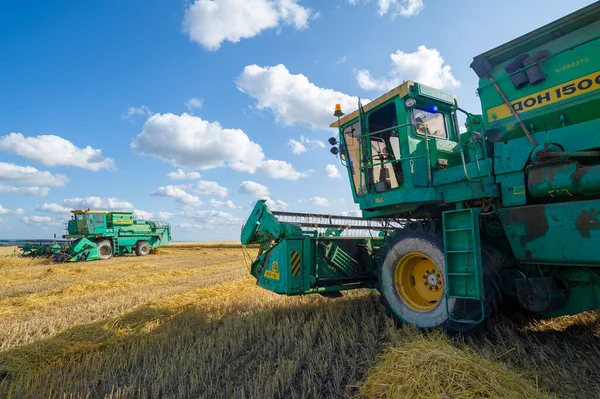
(188, 322)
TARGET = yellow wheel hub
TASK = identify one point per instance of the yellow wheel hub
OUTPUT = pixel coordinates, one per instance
(418, 281)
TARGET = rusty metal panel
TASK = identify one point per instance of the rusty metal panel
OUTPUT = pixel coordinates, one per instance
(561, 234)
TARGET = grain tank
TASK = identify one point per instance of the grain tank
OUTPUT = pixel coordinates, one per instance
(456, 221)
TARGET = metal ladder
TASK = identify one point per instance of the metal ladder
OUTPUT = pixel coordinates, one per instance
(462, 252)
(115, 245)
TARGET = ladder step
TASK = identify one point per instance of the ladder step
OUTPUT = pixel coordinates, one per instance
(459, 251)
(473, 298)
(463, 229)
(467, 321)
(460, 274)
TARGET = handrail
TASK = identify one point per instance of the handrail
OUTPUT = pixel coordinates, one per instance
(392, 161)
(429, 175)
(386, 129)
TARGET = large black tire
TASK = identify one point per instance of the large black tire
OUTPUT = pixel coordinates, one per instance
(142, 248)
(105, 250)
(426, 239)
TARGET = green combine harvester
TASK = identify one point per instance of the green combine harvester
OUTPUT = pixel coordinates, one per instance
(456, 221)
(93, 235)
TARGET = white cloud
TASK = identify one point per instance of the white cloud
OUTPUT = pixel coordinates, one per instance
(259, 191)
(52, 208)
(222, 204)
(341, 60)
(179, 193)
(405, 8)
(204, 187)
(5, 211)
(280, 170)
(186, 226)
(210, 23)
(136, 111)
(193, 143)
(424, 66)
(190, 142)
(254, 189)
(40, 220)
(354, 212)
(300, 147)
(332, 172)
(51, 150)
(29, 176)
(194, 102)
(19, 190)
(319, 201)
(297, 147)
(180, 174)
(293, 98)
(163, 215)
(140, 214)
(108, 203)
(217, 220)
(276, 205)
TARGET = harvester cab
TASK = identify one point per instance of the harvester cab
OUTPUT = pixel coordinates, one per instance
(399, 146)
(453, 222)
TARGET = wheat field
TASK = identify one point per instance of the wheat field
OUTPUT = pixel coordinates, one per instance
(188, 322)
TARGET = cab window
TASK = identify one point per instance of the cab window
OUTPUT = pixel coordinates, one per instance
(435, 122)
(352, 141)
(385, 148)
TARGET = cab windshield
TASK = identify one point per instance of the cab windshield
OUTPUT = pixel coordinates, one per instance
(435, 122)
(352, 144)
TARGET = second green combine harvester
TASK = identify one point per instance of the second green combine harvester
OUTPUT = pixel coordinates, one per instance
(95, 234)
(456, 221)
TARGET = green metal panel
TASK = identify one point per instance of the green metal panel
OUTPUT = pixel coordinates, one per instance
(455, 174)
(467, 190)
(512, 188)
(274, 271)
(562, 233)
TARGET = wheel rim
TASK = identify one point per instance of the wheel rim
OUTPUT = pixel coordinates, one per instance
(104, 250)
(418, 281)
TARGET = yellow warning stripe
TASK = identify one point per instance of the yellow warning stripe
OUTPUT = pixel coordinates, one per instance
(295, 261)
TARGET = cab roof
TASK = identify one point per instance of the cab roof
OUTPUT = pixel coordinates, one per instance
(401, 90)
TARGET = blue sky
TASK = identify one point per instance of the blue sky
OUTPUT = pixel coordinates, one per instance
(101, 101)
